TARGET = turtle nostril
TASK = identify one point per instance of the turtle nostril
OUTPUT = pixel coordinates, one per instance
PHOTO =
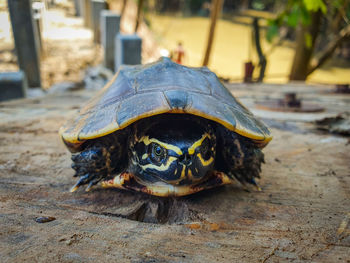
(185, 159)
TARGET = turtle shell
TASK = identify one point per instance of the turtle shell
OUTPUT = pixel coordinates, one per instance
(137, 92)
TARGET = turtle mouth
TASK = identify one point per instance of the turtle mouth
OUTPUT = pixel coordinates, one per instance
(186, 176)
(128, 181)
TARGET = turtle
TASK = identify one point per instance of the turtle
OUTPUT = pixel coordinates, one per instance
(165, 129)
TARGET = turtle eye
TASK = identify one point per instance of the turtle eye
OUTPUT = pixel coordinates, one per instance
(204, 149)
(158, 153)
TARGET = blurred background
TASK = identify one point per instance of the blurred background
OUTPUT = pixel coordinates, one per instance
(234, 44)
(251, 40)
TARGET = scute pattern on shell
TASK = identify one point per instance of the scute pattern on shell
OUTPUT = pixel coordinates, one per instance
(141, 91)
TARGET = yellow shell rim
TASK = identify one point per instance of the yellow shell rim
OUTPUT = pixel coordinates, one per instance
(79, 138)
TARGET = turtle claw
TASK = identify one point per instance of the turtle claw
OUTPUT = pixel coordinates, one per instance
(89, 179)
(253, 182)
(88, 188)
(257, 187)
(246, 182)
(91, 184)
(74, 188)
(83, 180)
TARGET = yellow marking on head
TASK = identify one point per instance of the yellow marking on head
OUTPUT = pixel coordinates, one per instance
(162, 167)
(204, 162)
(144, 156)
(197, 143)
(183, 174)
(146, 140)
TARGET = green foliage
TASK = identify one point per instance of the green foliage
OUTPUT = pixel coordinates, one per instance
(315, 5)
(296, 12)
(272, 30)
(293, 18)
(305, 17)
(338, 3)
(258, 5)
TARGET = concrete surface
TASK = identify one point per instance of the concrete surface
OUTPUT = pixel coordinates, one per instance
(302, 214)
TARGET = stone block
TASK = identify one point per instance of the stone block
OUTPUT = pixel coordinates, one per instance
(96, 7)
(86, 12)
(26, 39)
(13, 85)
(128, 50)
(110, 26)
(77, 6)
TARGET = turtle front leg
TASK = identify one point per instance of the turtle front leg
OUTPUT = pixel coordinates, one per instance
(99, 159)
(91, 165)
(241, 158)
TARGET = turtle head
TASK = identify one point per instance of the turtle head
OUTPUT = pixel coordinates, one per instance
(174, 151)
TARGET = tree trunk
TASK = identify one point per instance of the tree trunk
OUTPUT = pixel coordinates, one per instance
(329, 50)
(303, 53)
(216, 6)
(339, 17)
(262, 57)
(138, 16)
